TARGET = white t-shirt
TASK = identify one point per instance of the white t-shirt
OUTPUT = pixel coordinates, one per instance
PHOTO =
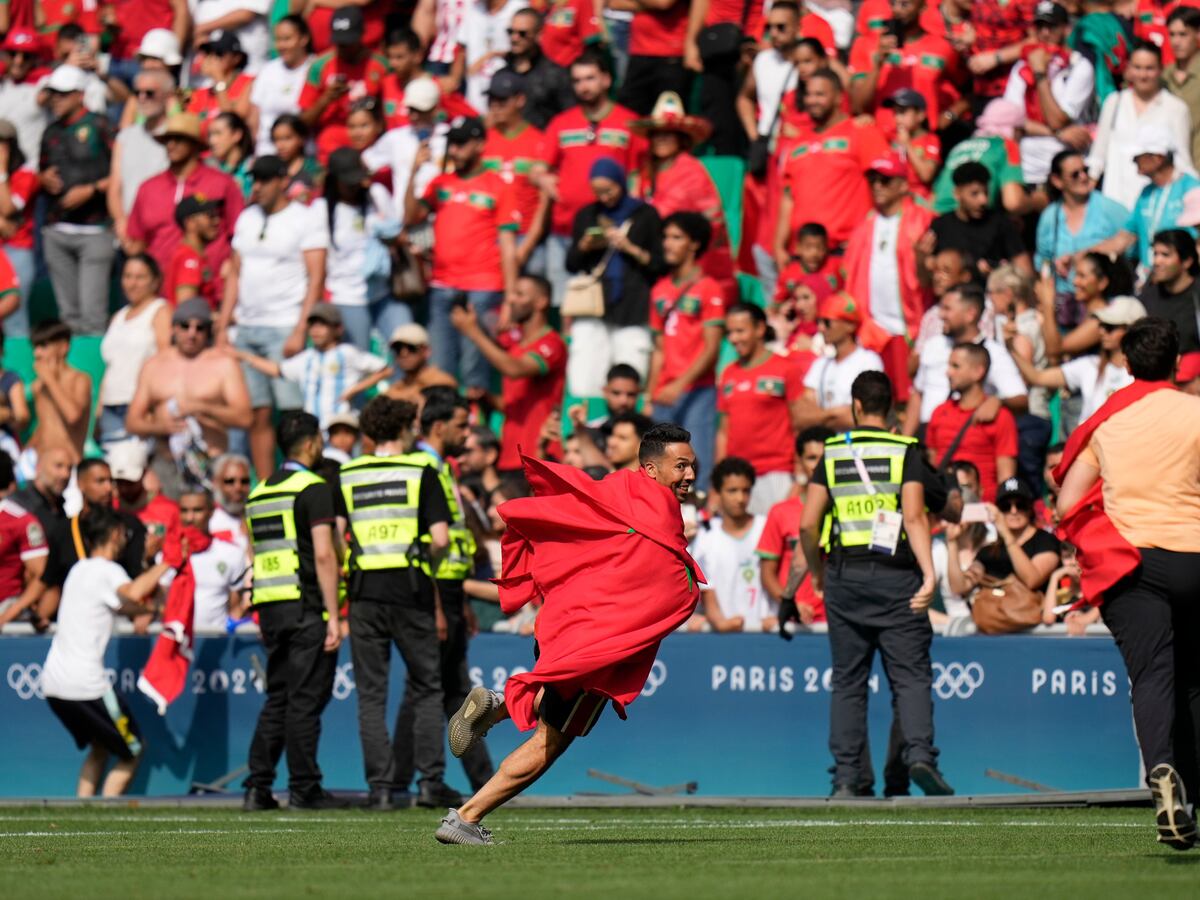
(954, 605)
(218, 570)
(1083, 377)
(254, 36)
(774, 75)
(276, 90)
(273, 279)
(485, 32)
(831, 379)
(1071, 85)
(324, 376)
(886, 306)
(1003, 378)
(731, 566)
(346, 262)
(74, 668)
(396, 149)
(232, 528)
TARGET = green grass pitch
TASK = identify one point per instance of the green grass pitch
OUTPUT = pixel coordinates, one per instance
(220, 854)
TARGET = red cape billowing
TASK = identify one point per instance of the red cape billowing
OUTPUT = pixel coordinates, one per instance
(610, 561)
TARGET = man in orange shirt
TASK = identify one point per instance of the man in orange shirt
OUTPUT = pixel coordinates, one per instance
(824, 178)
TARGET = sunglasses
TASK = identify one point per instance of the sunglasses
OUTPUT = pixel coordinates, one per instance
(194, 325)
(1109, 327)
(399, 348)
(1011, 506)
(1075, 175)
(777, 26)
(518, 32)
(245, 482)
(143, 93)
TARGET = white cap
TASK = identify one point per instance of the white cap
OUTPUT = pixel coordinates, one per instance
(1153, 139)
(348, 419)
(160, 43)
(422, 94)
(412, 333)
(1121, 311)
(66, 80)
(127, 460)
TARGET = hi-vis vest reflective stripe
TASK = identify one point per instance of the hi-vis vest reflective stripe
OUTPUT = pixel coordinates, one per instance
(271, 517)
(854, 505)
(382, 494)
(459, 560)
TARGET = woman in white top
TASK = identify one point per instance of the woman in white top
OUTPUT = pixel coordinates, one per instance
(1144, 102)
(359, 216)
(1094, 377)
(136, 333)
(277, 88)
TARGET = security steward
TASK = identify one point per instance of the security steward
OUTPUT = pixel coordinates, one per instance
(392, 498)
(444, 430)
(291, 518)
(866, 503)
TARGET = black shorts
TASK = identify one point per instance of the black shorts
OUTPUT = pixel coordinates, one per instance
(574, 716)
(105, 721)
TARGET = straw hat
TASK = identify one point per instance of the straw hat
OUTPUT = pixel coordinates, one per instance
(669, 115)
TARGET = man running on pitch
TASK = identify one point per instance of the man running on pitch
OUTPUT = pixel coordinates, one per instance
(610, 563)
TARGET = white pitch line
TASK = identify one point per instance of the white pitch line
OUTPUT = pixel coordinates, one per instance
(181, 831)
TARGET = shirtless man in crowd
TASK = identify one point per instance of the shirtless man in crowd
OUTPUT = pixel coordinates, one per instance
(413, 372)
(189, 390)
(62, 395)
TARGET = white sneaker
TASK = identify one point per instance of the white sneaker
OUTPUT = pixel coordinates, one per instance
(454, 830)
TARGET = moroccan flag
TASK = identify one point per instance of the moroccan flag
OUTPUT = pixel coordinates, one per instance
(610, 563)
(1103, 554)
(165, 674)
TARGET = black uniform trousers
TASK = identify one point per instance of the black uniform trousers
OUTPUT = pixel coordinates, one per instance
(456, 684)
(1154, 615)
(408, 622)
(866, 604)
(647, 77)
(299, 684)
(718, 103)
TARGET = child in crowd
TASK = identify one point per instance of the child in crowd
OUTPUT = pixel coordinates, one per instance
(189, 274)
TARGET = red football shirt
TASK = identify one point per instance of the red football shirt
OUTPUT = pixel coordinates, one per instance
(395, 113)
(471, 212)
(191, 269)
(831, 271)
(21, 539)
(872, 18)
(57, 13)
(981, 445)
(528, 402)
(927, 146)
(997, 24)
(780, 540)
(205, 104)
(568, 25)
(756, 402)
(374, 15)
(825, 175)
(23, 185)
(928, 65)
(160, 510)
(680, 312)
(134, 19)
(9, 284)
(572, 144)
(364, 78)
(512, 157)
(659, 32)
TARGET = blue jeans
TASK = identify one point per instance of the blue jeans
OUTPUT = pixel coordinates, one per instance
(697, 412)
(267, 341)
(556, 246)
(25, 266)
(536, 264)
(618, 36)
(453, 352)
(382, 313)
(111, 424)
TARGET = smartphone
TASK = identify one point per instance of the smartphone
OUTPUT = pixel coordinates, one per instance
(594, 231)
(460, 300)
(424, 134)
(975, 512)
(896, 30)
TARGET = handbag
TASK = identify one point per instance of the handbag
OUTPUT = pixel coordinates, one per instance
(759, 154)
(408, 280)
(584, 297)
(1005, 605)
(724, 39)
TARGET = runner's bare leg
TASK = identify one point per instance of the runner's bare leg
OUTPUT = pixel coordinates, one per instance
(119, 777)
(92, 771)
(520, 769)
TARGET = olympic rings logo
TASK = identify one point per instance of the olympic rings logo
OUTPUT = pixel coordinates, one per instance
(956, 679)
(658, 674)
(26, 680)
(343, 681)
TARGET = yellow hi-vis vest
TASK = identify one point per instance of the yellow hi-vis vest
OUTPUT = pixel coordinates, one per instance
(459, 560)
(382, 494)
(271, 518)
(854, 504)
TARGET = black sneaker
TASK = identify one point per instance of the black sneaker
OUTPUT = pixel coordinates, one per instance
(930, 780)
(1176, 828)
(317, 801)
(436, 795)
(380, 800)
(259, 800)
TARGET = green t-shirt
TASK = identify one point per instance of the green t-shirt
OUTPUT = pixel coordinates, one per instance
(1000, 156)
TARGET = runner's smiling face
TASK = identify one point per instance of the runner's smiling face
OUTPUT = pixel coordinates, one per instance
(675, 469)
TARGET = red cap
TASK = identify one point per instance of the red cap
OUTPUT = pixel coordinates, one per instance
(22, 40)
(892, 165)
(841, 306)
(1189, 368)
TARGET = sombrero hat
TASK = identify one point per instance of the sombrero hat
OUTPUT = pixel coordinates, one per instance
(669, 115)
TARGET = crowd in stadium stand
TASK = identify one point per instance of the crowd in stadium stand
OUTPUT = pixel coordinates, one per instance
(588, 217)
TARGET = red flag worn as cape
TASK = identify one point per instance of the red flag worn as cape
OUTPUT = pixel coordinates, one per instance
(165, 674)
(610, 561)
(1104, 556)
